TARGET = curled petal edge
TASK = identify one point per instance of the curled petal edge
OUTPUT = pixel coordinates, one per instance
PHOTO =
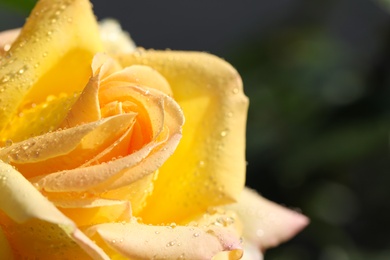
(16, 197)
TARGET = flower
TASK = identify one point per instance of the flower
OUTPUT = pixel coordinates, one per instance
(97, 160)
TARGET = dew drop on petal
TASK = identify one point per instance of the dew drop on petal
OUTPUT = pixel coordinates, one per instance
(201, 164)
(8, 142)
(171, 243)
(224, 133)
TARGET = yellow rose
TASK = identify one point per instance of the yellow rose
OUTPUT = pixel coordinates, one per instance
(92, 163)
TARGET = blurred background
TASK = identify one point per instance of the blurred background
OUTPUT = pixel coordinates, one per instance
(317, 73)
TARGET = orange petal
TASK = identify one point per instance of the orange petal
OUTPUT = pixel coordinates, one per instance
(5, 248)
(65, 149)
(86, 109)
(31, 223)
(208, 167)
(139, 75)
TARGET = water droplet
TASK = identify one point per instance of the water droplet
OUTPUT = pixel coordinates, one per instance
(224, 133)
(172, 243)
(5, 79)
(201, 164)
(3, 179)
(7, 47)
(8, 142)
(196, 235)
(235, 91)
(157, 232)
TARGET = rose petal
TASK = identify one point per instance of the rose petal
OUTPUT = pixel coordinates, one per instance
(5, 249)
(123, 171)
(114, 39)
(140, 241)
(93, 211)
(266, 224)
(6, 39)
(208, 167)
(40, 119)
(51, 55)
(103, 66)
(86, 109)
(141, 75)
(65, 149)
(31, 222)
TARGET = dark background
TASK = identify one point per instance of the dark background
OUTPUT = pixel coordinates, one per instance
(318, 77)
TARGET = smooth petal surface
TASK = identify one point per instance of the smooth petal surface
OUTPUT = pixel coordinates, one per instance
(5, 249)
(138, 241)
(86, 108)
(267, 224)
(93, 211)
(31, 222)
(51, 55)
(208, 168)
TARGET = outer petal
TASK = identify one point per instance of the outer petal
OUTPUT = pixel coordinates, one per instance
(138, 241)
(266, 224)
(208, 168)
(57, 38)
(28, 215)
(6, 39)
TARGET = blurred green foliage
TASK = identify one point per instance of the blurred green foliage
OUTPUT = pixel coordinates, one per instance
(23, 6)
(318, 136)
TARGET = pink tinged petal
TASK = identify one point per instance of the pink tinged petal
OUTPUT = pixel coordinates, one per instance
(252, 252)
(266, 224)
(31, 223)
(6, 39)
(141, 241)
